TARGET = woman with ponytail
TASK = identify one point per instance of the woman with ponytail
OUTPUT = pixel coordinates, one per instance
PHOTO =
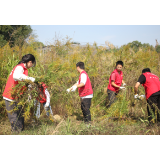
(19, 73)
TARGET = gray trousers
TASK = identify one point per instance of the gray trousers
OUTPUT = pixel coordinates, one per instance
(15, 117)
(111, 96)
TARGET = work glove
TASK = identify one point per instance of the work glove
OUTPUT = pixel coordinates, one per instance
(142, 97)
(68, 90)
(31, 79)
(46, 106)
(124, 84)
(73, 88)
(122, 88)
(136, 96)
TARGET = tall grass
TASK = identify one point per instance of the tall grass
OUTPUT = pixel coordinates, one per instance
(57, 67)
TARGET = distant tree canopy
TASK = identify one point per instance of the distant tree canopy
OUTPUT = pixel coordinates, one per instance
(135, 45)
(14, 34)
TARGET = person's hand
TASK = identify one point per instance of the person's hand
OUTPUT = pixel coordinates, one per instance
(46, 105)
(31, 79)
(122, 88)
(142, 97)
(136, 96)
(68, 90)
(124, 84)
(73, 88)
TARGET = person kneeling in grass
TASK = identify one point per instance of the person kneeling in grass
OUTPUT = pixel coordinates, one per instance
(44, 98)
(85, 91)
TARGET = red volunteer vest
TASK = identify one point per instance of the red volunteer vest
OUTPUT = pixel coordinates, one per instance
(118, 81)
(11, 83)
(152, 84)
(87, 89)
(43, 95)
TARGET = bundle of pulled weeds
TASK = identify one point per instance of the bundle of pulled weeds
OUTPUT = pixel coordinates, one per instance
(27, 94)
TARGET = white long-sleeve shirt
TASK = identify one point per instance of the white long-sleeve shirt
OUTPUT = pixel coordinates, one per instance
(47, 97)
(18, 74)
(84, 80)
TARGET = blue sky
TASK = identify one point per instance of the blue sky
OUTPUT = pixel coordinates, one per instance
(116, 34)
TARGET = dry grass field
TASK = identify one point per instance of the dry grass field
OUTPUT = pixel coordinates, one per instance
(57, 68)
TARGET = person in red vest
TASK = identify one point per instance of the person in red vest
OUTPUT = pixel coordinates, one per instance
(85, 91)
(115, 81)
(19, 73)
(45, 100)
(151, 84)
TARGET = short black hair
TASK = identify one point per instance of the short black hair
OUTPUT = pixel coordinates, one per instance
(80, 65)
(146, 70)
(119, 63)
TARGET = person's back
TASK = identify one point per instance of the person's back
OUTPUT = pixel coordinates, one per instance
(151, 85)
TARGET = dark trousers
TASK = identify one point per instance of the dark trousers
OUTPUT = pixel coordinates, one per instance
(111, 96)
(15, 117)
(153, 106)
(85, 106)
